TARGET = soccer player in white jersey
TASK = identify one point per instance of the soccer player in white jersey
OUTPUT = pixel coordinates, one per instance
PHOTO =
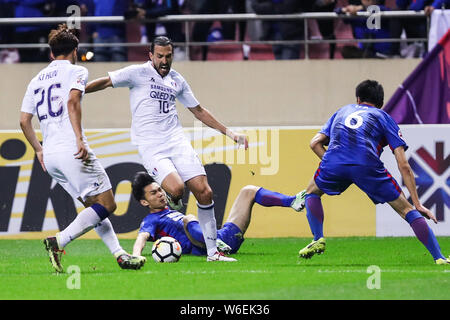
(54, 96)
(166, 153)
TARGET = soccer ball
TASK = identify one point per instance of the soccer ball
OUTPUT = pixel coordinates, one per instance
(166, 249)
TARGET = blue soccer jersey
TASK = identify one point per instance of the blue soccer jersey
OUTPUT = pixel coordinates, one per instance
(170, 223)
(166, 223)
(358, 134)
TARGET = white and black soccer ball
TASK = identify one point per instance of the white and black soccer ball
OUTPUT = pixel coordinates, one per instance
(166, 249)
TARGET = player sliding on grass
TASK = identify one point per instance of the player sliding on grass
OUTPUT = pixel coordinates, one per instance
(185, 228)
(166, 153)
(54, 96)
(356, 135)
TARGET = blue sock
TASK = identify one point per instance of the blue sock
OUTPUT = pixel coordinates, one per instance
(269, 198)
(424, 233)
(314, 214)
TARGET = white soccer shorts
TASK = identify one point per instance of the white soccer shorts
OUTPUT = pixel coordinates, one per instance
(81, 179)
(161, 160)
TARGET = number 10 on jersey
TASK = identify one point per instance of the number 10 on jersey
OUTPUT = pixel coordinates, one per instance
(163, 106)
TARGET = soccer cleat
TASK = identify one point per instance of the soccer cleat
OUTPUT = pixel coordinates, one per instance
(127, 261)
(298, 204)
(441, 261)
(222, 247)
(54, 253)
(219, 256)
(315, 247)
(175, 206)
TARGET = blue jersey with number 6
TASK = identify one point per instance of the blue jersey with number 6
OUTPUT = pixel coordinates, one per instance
(358, 134)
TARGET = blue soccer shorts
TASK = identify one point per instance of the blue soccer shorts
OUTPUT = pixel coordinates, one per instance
(229, 233)
(376, 182)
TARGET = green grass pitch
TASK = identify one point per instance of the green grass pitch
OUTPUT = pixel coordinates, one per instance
(268, 269)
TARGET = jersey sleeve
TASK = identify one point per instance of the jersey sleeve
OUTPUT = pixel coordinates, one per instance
(148, 225)
(79, 79)
(326, 129)
(393, 134)
(122, 77)
(186, 96)
(28, 102)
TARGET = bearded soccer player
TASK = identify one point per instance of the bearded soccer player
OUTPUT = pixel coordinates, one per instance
(166, 153)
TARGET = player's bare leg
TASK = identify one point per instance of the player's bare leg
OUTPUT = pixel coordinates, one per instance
(313, 188)
(106, 199)
(173, 185)
(401, 205)
(241, 211)
(202, 191)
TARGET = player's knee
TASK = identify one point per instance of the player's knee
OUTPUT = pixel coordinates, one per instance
(110, 206)
(205, 195)
(401, 205)
(176, 191)
(249, 191)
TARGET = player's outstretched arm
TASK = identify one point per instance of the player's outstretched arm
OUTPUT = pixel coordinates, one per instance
(208, 119)
(139, 244)
(98, 84)
(410, 182)
(28, 131)
(318, 143)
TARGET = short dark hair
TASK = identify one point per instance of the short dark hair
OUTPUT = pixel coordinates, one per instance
(140, 181)
(160, 41)
(370, 91)
(62, 40)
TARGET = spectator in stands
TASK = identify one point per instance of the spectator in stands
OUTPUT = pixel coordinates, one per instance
(282, 30)
(414, 27)
(152, 9)
(202, 30)
(32, 33)
(6, 33)
(326, 26)
(427, 5)
(110, 33)
(6, 11)
(361, 30)
(86, 32)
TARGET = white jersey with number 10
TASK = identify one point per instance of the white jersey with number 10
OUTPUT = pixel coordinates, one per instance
(152, 102)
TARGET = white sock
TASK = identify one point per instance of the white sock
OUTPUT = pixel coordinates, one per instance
(207, 221)
(85, 221)
(106, 231)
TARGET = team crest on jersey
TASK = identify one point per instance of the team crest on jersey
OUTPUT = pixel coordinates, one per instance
(154, 172)
(400, 134)
(173, 83)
